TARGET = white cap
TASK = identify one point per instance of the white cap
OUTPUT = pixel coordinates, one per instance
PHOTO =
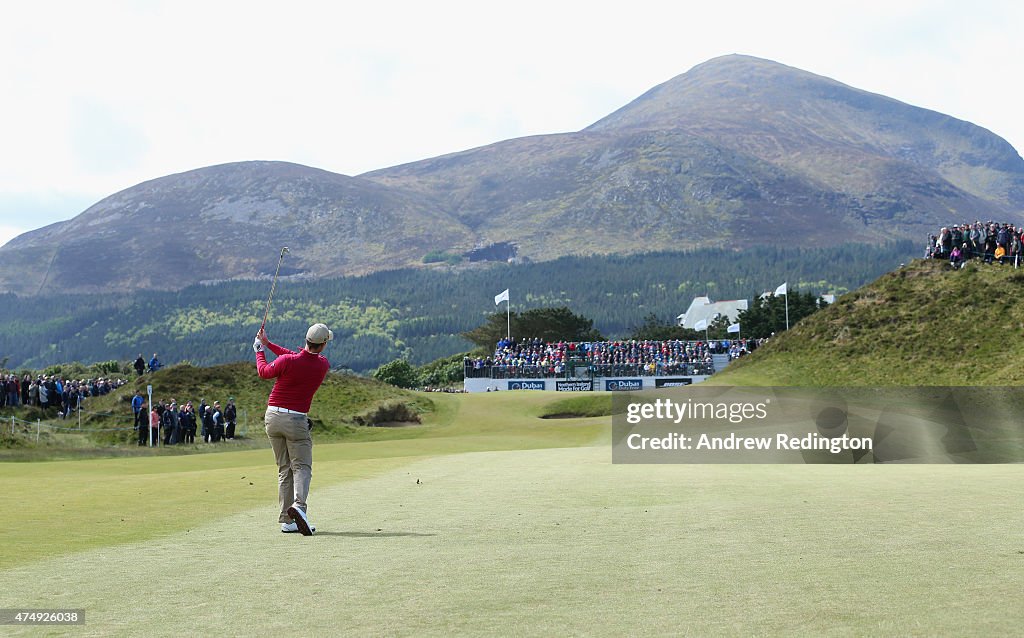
(319, 333)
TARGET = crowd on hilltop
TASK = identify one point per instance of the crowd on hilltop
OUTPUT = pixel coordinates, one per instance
(59, 393)
(528, 358)
(171, 423)
(165, 421)
(52, 391)
(990, 242)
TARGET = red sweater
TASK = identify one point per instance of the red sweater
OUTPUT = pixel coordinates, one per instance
(299, 375)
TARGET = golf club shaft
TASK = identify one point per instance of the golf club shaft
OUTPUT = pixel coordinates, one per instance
(273, 286)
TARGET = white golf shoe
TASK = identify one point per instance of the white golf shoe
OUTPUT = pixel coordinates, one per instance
(300, 520)
(291, 528)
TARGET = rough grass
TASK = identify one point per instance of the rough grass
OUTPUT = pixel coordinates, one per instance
(923, 324)
(584, 405)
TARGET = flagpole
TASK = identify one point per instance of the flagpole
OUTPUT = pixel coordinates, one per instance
(504, 296)
(784, 290)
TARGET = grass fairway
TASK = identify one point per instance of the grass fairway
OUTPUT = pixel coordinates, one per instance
(491, 521)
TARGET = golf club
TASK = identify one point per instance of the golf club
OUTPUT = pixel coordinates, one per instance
(284, 249)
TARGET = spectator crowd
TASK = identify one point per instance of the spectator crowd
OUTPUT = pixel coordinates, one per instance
(535, 358)
(167, 421)
(52, 391)
(990, 242)
(172, 424)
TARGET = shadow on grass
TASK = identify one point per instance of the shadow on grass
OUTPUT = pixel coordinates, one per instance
(372, 534)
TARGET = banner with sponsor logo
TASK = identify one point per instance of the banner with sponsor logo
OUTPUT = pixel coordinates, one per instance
(672, 383)
(525, 385)
(623, 385)
(574, 386)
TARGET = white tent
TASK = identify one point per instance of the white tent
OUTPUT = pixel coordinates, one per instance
(703, 309)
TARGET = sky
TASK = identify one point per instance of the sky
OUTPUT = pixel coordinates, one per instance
(98, 96)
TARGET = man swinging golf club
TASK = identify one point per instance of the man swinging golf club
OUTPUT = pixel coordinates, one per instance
(299, 375)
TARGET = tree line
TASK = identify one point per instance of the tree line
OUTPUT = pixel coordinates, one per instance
(417, 314)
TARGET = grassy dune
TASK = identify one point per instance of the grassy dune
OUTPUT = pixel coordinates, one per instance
(341, 403)
(923, 324)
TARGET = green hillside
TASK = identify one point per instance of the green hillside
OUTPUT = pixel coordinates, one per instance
(413, 313)
(923, 324)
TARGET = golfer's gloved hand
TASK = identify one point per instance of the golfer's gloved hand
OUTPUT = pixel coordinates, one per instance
(257, 346)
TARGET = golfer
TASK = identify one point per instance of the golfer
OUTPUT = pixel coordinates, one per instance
(299, 375)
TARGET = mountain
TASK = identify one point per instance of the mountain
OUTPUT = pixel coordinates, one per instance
(737, 151)
(224, 222)
(848, 140)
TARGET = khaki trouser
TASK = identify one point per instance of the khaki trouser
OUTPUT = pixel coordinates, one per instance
(293, 450)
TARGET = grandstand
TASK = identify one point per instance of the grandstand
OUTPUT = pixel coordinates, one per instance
(533, 364)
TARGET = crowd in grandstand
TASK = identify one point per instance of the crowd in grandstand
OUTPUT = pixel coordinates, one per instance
(535, 358)
(52, 392)
(990, 242)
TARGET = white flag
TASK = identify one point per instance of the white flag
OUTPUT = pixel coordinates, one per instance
(701, 325)
(501, 297)
(733, 328)
(781, 290)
